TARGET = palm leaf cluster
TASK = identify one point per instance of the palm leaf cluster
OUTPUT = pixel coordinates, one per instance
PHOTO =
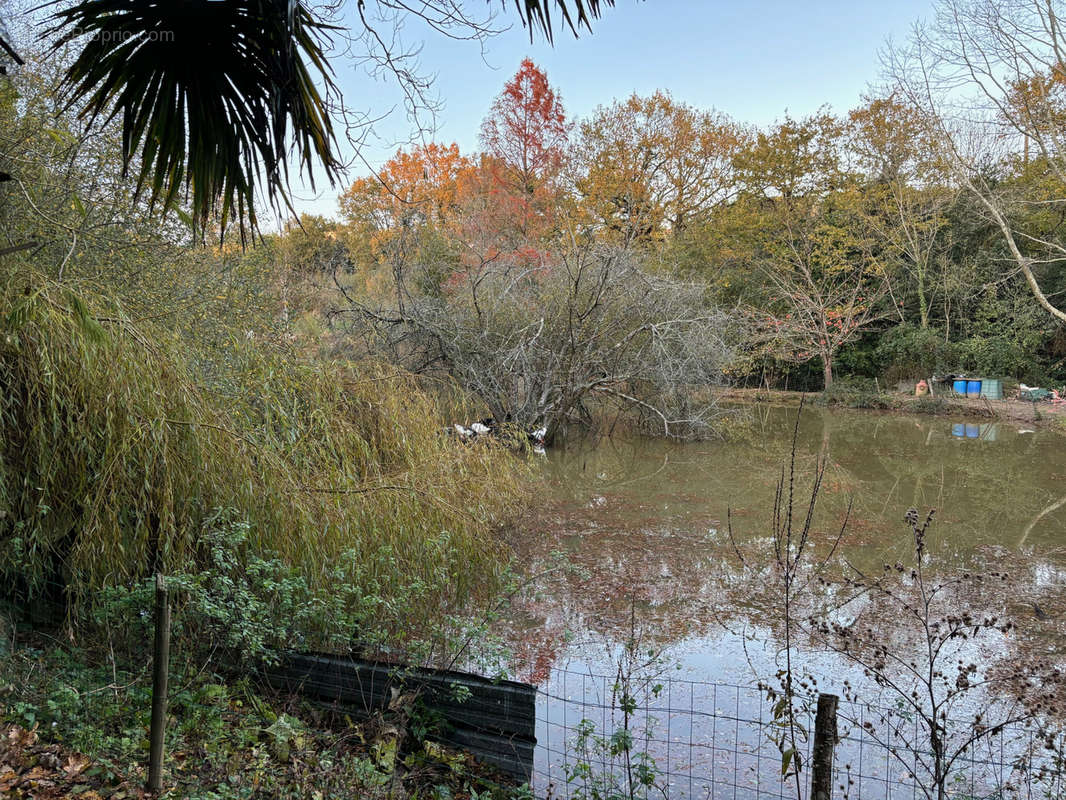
(537, 13)
(212, 95)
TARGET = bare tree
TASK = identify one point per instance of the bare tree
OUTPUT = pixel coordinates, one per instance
(908, 196)
(826, 310)
(543, 342)
(990, 80)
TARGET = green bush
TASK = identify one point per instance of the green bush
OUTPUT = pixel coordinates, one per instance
(909, 352)
(242, 605)
(999, 356)
(242, 608)
(860, 357)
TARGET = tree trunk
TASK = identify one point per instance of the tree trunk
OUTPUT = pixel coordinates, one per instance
(827, 370)
(923, 308)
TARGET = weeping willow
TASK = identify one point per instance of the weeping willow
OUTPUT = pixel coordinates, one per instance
(113, 455)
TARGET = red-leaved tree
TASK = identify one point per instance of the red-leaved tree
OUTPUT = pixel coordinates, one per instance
(525, 137)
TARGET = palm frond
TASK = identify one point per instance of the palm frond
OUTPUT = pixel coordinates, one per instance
(213, 96)
(537, 13)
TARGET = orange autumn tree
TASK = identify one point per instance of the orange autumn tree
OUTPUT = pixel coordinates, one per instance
(524, 138)
(411, 204)
(496, 222)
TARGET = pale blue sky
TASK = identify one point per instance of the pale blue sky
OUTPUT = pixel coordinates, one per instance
(752, 60)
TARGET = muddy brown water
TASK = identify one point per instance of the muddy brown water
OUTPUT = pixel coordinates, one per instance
(642, 525)
(643, 522)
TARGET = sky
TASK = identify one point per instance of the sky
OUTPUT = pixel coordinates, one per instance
(753, 60)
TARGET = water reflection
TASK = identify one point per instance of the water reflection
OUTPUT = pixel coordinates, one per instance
(988, 432)
(673, 544)
(645, 525)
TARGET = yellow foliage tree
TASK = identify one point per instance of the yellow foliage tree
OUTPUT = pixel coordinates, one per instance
(652, 166)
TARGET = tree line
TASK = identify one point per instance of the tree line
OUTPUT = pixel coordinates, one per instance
(861, 243)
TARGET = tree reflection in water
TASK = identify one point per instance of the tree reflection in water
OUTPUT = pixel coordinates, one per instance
(642, 522)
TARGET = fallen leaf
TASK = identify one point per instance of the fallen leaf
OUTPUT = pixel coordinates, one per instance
(75, 765)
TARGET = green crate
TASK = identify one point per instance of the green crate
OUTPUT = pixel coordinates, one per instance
(992, 388)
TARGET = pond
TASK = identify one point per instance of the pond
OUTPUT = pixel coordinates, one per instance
(668, 545)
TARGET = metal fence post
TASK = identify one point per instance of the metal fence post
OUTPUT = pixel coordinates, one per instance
(825, 739)
(160, 666)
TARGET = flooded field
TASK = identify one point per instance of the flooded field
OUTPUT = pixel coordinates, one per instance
(631, 541)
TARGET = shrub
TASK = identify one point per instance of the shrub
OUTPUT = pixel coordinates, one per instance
(861, 357)
(855, 392)
(999, 355)
(910, 352)
(241, 609)
(931, 405)
(115, 456)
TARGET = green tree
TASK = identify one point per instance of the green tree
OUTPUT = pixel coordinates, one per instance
(812, 244)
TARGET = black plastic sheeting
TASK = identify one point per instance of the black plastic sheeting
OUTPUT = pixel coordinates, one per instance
(495, 723)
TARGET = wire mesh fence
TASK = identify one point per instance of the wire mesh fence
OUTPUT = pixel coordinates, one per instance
(690, 739)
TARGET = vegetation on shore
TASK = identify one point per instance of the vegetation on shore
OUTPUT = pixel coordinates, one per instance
(867, 395)
(271, 427)
(76, 725)
(116, 461)
(173, 408)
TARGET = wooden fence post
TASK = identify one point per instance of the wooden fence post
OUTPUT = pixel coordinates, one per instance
(160, 667)
(825, 739)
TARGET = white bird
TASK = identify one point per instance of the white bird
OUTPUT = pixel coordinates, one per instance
(480, 429)
(463, 433)
(539, 434)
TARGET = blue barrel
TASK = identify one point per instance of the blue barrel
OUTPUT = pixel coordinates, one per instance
(958, 429)
(973, 431)
(960, 387)
(973, 388)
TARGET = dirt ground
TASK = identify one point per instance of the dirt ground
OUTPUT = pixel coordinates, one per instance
(1010, 408)
(1014, 409)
